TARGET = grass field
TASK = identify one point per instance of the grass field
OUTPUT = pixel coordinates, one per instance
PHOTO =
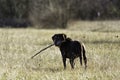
(102, 40)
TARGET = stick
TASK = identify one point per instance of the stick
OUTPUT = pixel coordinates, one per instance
(41, 50)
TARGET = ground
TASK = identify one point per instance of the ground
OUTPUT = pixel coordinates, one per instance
(101, 38)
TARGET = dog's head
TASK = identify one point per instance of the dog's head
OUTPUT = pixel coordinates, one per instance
(58, 39)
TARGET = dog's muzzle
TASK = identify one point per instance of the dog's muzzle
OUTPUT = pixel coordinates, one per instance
(57, 43)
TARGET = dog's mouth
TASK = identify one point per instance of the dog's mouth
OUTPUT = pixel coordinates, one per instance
(57, 43)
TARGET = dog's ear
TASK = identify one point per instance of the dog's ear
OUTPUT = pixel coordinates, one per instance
(64, 36)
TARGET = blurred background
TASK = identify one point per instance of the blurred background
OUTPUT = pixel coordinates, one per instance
(55, 13)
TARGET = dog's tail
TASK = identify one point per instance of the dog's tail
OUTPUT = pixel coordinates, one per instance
(84, 55)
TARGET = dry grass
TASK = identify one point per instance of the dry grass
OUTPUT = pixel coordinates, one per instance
(103, 52)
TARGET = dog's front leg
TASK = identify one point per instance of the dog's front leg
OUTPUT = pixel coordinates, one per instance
(63, 58)
(64, 62)
(72, 63)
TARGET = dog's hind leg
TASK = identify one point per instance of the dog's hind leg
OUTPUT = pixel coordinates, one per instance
(84, 57)
(80, 54)
(80, 59)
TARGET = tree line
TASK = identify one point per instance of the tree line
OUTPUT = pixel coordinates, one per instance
(55, 13)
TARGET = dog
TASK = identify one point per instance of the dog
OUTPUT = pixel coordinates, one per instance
(70, 49)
